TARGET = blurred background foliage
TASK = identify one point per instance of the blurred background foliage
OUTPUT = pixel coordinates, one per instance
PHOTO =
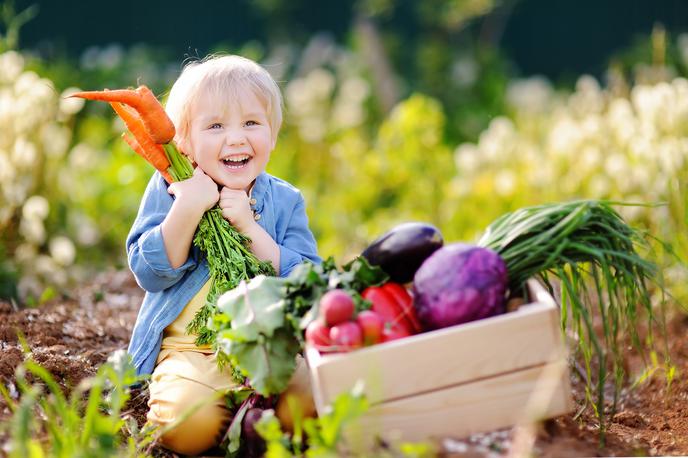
(446, 111)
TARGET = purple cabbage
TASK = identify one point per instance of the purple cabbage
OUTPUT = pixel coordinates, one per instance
(459, 283)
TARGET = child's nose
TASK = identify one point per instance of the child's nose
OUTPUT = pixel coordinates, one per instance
(235, 137)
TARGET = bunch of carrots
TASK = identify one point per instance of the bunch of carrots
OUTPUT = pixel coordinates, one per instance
(150, 135)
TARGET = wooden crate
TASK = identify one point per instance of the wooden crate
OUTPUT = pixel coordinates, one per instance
(474, 377)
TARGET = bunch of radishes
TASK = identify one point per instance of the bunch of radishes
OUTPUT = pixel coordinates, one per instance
(339, 329)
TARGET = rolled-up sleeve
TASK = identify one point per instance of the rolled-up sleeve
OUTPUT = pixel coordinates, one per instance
(298, 243)
(145, 246)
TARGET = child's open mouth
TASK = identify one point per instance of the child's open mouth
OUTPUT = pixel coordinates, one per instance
(236, 162)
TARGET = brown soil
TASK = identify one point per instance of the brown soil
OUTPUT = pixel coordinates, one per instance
(71, 337)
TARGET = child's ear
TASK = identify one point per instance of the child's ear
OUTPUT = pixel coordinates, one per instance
(185, 147)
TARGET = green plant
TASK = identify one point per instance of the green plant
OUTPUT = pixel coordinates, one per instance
(337, 432)
(12, 21)
(592, 252)
(86, 423)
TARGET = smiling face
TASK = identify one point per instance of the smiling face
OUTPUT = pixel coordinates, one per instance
(230, 138)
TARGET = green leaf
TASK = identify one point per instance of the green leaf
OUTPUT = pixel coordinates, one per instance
(234, 431)
(235, 397)
(276, 440)
(365, 275)
(255, 308)
(269, 363)
(325, 432)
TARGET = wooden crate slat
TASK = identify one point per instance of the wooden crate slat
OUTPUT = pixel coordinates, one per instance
(442, 358)
(469, 408)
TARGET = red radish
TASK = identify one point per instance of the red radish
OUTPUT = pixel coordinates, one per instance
(336, 307)
(372, 325)
(346, 336)
(394, 332)
(318, 335)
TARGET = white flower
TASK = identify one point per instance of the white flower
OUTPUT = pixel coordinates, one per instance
(355, 88)
(86, 231)
(532, 95)
(25, 253)
(599, 186)
(11, 66)
(621, 120)
(347, 114)
(505, 183)
(616, 165)
(7, 169)
(25, 83)
(297, 95)
(16, 192)
(62, 250)
(45, 265)
(36, 208)
(55, 140)
(70, 106)
(312, 130)
(33, 230)
(466, 157)
(590, 157)
(588, 97)
(24, 153)
(81, 156)
(564, 136)
(497, 138)
(645, 101)
(321, 82)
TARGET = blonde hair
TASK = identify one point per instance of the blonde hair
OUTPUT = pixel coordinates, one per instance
(221, 76)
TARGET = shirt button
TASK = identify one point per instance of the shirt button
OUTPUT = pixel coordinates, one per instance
(256, 216)
(252, 201)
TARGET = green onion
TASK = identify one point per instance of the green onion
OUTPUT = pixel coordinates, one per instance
(592, 251)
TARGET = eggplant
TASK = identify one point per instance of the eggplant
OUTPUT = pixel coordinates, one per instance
(401, 251)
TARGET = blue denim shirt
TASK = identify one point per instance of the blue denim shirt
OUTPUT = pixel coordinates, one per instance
(282, 214)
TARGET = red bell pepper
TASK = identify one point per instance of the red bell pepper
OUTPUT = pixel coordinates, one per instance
(395, 305)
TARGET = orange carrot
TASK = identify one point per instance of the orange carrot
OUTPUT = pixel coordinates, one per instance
(156, 121)
(141, 152)
(154, 153)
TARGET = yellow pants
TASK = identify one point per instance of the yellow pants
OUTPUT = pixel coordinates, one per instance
(187, 390)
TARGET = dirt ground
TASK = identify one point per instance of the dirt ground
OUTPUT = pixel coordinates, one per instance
(71, 337)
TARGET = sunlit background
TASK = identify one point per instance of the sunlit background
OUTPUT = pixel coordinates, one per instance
(446, 111)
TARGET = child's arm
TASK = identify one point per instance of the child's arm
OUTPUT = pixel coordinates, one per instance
(237, 210)
(193, 197)
(146, 251)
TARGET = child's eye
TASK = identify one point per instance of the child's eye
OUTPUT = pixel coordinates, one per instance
(251, 123)
(215, 125)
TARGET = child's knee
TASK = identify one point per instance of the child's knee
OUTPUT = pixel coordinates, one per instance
(194, 427)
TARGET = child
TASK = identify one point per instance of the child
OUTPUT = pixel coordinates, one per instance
(227, 114)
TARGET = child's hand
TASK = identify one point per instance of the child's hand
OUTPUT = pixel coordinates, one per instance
(236, 208)
(197, 192)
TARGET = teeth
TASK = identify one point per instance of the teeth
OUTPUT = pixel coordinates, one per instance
(236, 159)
